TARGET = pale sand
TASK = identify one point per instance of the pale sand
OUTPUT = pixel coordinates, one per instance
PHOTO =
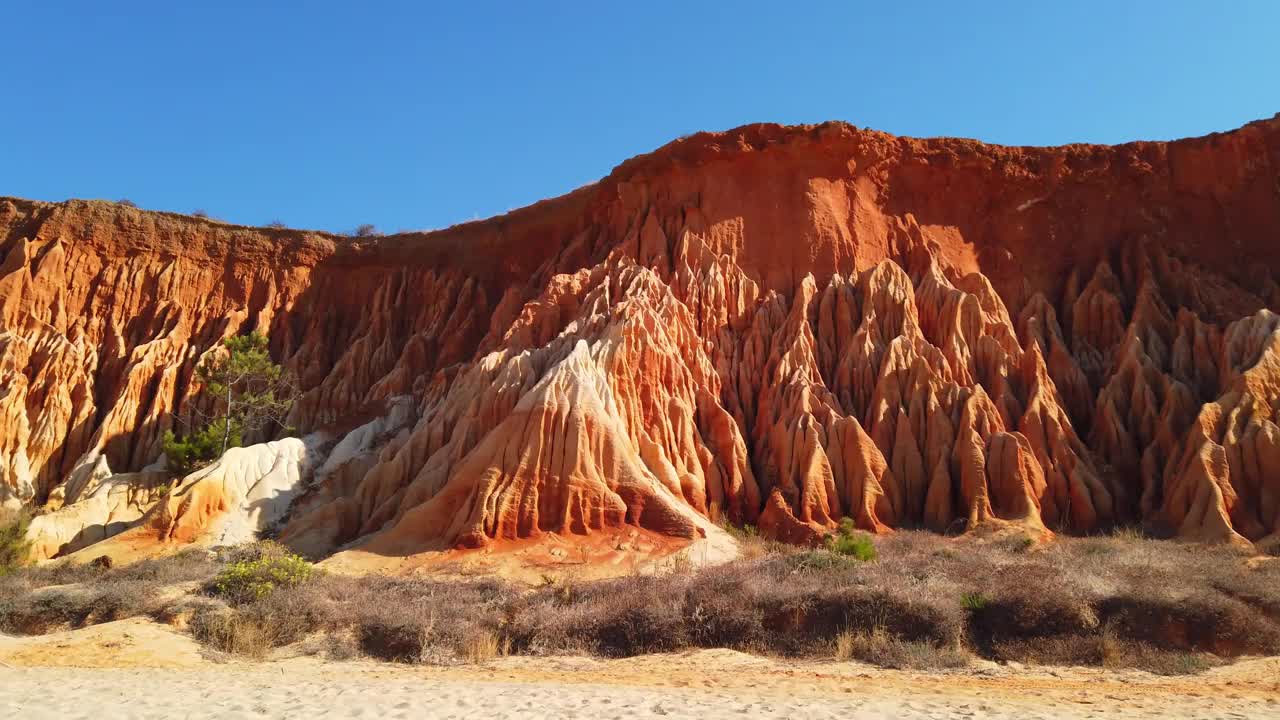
(135, 669)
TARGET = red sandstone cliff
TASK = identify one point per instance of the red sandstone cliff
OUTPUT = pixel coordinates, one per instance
(778, 325)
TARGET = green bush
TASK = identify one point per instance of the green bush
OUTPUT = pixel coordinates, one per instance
(247, 581)
(974, 601)
(849, 542)
(14, 547)
(856, 546)
(188, 454)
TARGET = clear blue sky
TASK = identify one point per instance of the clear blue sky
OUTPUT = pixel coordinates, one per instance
(423, 114)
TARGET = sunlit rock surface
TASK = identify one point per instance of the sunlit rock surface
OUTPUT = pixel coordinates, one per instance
(781, 326)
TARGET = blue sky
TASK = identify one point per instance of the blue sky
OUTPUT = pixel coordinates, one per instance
(418, 115)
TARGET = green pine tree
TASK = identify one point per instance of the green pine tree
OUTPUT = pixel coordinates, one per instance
(250, 393)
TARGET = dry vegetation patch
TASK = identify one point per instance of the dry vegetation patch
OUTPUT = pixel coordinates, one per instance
(44, 599)
(914, 600)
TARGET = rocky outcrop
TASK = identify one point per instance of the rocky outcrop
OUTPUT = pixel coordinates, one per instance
(242, 497)
(111, 507)
(780, 326)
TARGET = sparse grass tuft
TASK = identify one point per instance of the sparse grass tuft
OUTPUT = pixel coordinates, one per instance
(564, 588)
(844, 645)
(818, 561)
(741, 533)
(231, 632)
(480, 646)
(878, 647)
(1128, 533)
(1017, 544)
(751, 544)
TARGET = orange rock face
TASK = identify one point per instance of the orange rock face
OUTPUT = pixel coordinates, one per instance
(772, 325)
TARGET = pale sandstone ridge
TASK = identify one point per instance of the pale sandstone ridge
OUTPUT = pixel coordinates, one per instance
(771, 325)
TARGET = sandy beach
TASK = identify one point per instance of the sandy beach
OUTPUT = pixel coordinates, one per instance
(136, 669)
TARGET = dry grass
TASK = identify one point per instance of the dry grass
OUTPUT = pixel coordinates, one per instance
(481, 646)
(752, 545)
(395, 619)
(844, 645)
(926, 602)
(233, 632)
(396, 642)
(39, 600)
(1270, 548)
(878, 647)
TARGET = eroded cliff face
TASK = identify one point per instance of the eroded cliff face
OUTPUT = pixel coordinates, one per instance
(773, 325)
